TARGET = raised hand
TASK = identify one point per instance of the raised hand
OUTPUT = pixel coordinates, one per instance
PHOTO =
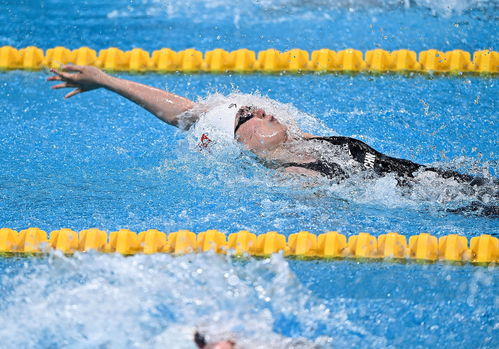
(81, 78)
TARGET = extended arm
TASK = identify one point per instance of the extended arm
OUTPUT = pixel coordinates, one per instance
(164, 105)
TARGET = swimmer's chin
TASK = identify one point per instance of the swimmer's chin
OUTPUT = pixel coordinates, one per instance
(265, 148)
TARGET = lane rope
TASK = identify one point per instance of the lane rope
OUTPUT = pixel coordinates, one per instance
(246, 61)
(453, 247)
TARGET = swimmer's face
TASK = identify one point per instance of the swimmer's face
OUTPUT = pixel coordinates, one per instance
(259, 131)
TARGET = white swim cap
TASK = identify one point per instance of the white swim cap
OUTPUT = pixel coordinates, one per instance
(217, 124)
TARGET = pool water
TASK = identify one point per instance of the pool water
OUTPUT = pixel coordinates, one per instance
(98, 161)
(156, 301)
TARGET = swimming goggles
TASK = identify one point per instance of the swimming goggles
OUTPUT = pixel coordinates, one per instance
(243, 115)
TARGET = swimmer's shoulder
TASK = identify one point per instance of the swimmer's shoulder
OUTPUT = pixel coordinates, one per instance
(308, 135)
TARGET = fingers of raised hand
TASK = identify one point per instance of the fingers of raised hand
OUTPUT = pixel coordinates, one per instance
(54, 78)
(72, 68)
(63, 85)
(72, 93)
(62, 75)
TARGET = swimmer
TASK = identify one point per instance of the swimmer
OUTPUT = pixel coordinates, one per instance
(259, 132)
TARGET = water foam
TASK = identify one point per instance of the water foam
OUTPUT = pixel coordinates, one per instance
(92, 300)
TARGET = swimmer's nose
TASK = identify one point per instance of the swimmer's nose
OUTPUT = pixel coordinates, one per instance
(260, 113)
(269, 117)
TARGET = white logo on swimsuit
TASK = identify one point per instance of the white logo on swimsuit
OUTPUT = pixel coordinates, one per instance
(347, 149)
(369, 160)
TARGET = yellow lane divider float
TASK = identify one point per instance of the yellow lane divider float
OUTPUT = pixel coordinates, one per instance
(482, 249)
(246, 61)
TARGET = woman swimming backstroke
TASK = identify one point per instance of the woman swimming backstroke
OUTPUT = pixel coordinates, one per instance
(263, 134)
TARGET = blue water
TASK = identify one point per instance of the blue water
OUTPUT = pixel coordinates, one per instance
(99, 161)
(283, 24)
(157, 301)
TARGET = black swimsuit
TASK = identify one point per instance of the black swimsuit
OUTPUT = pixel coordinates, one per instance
(380, 164)
(371, 159)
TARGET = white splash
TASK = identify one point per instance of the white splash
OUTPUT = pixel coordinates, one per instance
(94, 300)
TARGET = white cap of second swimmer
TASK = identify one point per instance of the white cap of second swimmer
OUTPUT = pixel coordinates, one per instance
(218, 123)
